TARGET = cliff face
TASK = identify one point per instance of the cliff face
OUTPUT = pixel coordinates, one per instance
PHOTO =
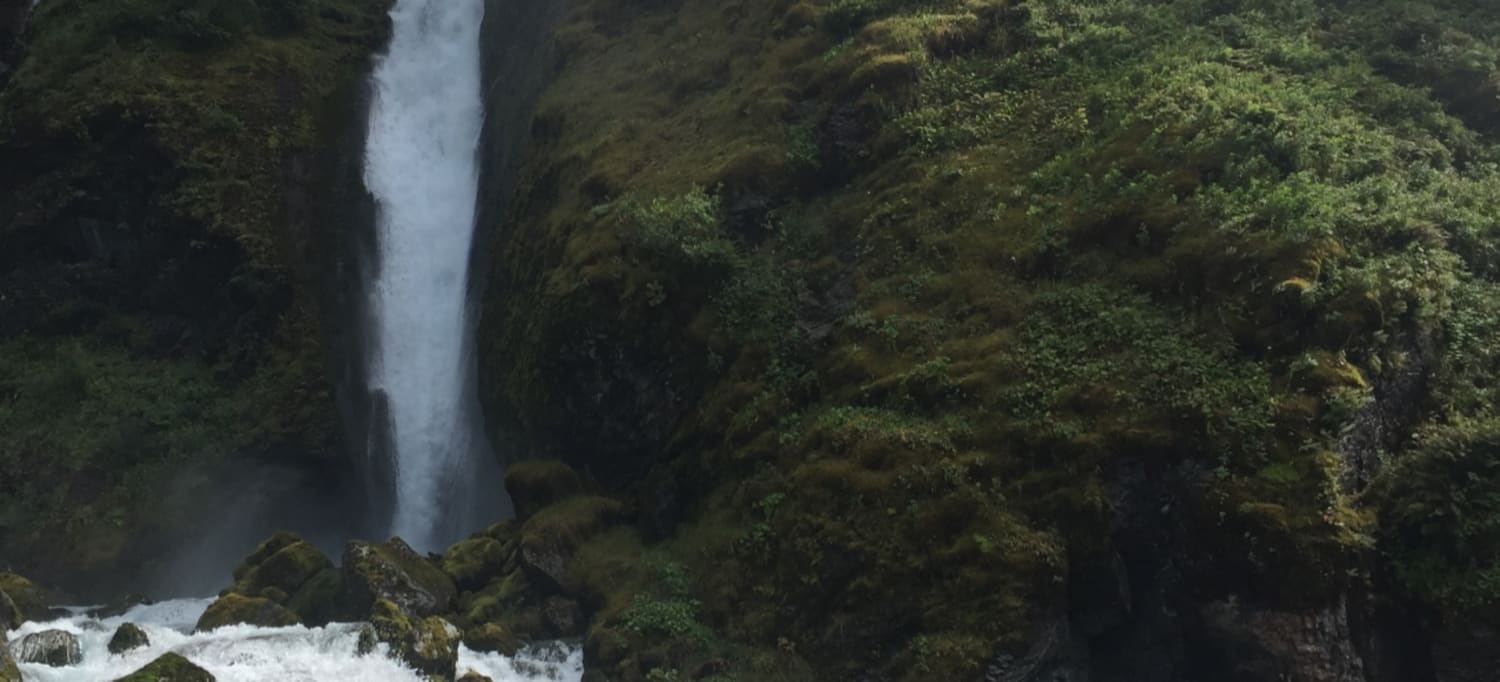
(163, 172)
(993, 340)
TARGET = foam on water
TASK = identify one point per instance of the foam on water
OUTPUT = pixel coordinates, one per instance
(244, 653)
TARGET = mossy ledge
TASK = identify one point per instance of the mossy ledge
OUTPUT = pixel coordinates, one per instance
(162, 235)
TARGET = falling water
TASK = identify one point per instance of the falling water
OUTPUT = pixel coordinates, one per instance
(422, 169)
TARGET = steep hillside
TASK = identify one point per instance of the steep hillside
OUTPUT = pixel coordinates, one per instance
(164, 168)
(976, 339)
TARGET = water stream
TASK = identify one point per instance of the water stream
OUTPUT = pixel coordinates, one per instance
(245, 653)
(421, 166)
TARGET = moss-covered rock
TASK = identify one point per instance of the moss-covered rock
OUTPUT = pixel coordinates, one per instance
(128, 636)
(535, 484)
(285, 562)
(429, 645)
(169, 667)
(394, 571)
(492, 637)
(235, 609)
(501, 597)
(475, 562)
(474, 676)
(550, 538)
(320, 600)
(30, 601)
(9, 670)
(10, 614)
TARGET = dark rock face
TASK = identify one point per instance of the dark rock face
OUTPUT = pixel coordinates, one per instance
(1467, 651)
(171, 667)
(395, 572)
(56, 648)
(128, 636)
(1271, 646)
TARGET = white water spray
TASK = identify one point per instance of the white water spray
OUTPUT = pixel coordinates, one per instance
(421, 166)
(245, 653)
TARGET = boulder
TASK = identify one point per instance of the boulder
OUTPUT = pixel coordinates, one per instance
(549, 539)
(285, 563)
(29, 599)
(320, 600)
(10, 614)
(169, 667)
(428, 645)
(57, 648)
(492, 637)
(473, 563)
(119, 607)
(128, 636)
(395, 572)
(537, 484)
(474, 676)
(234, 609)
(496, 599)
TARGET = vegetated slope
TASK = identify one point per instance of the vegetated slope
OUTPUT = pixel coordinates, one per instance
(160, 172)
(947, 337)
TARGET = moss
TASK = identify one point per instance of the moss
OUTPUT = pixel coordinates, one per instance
(429, 645)
(535, 484)
(169, 667)
(550, 539)
(30, 601)
(287, 569)
(320, 600)
(235, 609)
(492, 637)
(395, 571)
(473, 563)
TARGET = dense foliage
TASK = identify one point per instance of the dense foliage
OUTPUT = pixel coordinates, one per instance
(952, 266)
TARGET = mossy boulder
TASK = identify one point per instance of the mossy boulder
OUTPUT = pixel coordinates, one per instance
(9, 671)
(285, 562)
(496, 599)
(10, 614)
(235, 609)
(394, 571)
(169, 667)
(128, 636)
(474, 562)
(429, 645)
(474, 676)
(551, 537)
(536, 484)
(30, 601)
(320, 600)
(493, 637)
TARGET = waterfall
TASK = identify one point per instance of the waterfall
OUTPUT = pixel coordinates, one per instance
(421, 167)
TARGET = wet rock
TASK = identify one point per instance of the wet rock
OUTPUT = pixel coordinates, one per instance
(30, 601)
(57, 648)
(549, 539)
(119, 607)
(234, 609)
(320, 600)
(395, 572)
(472, 676)
(536, 484)
(473, 563)
(128, 636)
(492, 637)
(428, 645)
(169, 667)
